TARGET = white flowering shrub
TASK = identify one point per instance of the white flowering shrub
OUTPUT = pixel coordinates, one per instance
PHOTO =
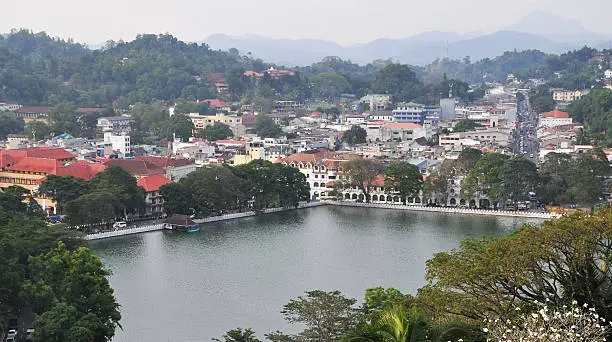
(567, 324)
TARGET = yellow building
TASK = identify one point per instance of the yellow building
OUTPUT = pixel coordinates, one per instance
(233, 121)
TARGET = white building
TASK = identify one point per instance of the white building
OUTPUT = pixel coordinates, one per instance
(608, 74)
(555, 118)
(402, 131)
(119, 143)
(116, 124)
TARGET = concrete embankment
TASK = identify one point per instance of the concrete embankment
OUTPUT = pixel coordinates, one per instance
(156, 227)
(451, 210)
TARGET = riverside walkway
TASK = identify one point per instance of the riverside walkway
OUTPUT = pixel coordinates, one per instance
(156, 227)
(450, 210)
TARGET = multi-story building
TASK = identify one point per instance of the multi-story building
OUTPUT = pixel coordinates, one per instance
(402, 131)
(321, 168)
(153, 200)
(234, 122)
(568, 95)
(28, 167)
(377, 102)
(176, 168)
(116, 124)
(555, 118)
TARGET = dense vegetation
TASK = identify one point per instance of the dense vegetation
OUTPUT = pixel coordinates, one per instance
(216, 190)
(37, 69)
(48, 272)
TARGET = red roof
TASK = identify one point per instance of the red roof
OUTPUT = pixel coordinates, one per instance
(165, 162)
(216, 103)
(137, 168)
(556, 114)
(38, 110)
(248, 119)
(48, 153)
(81, 169)
(153, 183)
(30, 164)
(378, 181)
(6, 159)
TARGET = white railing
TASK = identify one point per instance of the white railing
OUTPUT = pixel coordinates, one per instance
(123, 232)
(453, 210)
(253, 213)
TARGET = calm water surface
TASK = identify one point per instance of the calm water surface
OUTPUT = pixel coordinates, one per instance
(194, 286)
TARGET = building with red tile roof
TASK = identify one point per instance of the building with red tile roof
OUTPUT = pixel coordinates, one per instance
(175, 168)
(556, 114)
(154, 200)
(217, 104)
(137, 168)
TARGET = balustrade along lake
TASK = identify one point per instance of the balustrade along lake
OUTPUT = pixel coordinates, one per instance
(176, 286)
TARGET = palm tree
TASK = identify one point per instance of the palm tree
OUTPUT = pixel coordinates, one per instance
(398, 325)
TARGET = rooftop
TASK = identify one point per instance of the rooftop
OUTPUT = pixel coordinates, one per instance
(556, 114)
(153, 183)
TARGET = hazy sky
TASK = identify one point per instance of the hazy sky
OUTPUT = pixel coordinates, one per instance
(344, 21)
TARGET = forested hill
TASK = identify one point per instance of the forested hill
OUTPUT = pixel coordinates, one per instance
(36, 69)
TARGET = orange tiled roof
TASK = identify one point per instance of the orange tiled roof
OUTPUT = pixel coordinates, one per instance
(6, 159)
(138, 168)
(379, 181)
(153, 183)
(30, 164)
(556, 114)
(81, 169)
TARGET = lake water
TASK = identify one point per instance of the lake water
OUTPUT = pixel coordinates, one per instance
(194, 286)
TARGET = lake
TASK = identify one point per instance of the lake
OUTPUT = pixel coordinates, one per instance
(194, 286)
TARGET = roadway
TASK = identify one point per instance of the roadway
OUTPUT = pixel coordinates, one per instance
(526, 142)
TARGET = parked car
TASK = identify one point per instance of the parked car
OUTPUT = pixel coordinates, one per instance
(119, 224)
(29, 335)
(12, 335)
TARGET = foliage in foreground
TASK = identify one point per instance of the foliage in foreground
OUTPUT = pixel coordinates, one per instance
(568, 324)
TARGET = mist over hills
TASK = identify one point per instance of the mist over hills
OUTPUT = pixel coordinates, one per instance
(538, 30)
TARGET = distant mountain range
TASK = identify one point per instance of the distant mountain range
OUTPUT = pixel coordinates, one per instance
(539, 30)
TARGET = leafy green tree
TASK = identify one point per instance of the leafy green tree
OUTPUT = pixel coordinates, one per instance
(355, 135)
(265, 127)
(361, 173)
(216, 131)
(181, 126)
(75, 300)
(129, 197)
(177, 199)
(486, 178)
(63, 119)
(10, 124)
(62, 189)
(213, 190)
(326, 315)
(555, 178)
(587, 174)
(561, 261)
(405, 178)
(93, 207)
(540, 99)
(379, 298)
(151, 120)
(520, 176)
(202, 108)
(466, 125)
(398, 80)
(37, 130)
(329, 85)
(238, 335)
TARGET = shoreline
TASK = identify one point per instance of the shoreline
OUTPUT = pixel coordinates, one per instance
(226, 217)
(449, 210)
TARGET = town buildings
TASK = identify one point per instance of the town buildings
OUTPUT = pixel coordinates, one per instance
(154, 201)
